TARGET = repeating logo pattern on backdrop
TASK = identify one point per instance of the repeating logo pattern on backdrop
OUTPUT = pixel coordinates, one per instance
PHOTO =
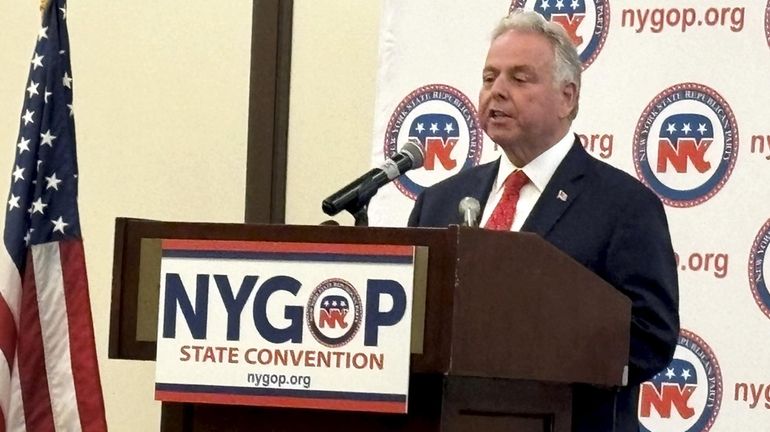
(686, 395)
(686, 144)
(334, 312)
(586, 22)
(446, 123)
(759, 268)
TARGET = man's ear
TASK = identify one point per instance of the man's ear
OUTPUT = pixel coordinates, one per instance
(569, 96)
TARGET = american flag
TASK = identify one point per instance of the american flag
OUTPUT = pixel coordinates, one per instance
(49, 376)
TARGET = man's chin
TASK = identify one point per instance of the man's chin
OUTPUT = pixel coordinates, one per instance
(501, 140)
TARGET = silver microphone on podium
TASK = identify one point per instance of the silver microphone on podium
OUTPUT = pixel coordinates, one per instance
(469, 211)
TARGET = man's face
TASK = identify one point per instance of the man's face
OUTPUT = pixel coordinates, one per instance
(521, 108)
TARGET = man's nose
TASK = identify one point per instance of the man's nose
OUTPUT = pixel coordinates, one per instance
(498, 88)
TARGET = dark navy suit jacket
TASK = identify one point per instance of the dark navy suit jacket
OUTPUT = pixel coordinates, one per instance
(615, 227)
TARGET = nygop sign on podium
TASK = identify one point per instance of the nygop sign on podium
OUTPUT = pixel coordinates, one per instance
(246, 322)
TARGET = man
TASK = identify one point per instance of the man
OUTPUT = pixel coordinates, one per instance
(599, 215)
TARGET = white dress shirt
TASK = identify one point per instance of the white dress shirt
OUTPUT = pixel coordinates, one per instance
(540, 170)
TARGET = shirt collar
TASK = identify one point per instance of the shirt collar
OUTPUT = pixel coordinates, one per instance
(541, 169)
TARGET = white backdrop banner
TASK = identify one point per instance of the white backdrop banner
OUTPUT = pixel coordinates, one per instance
(689, 72)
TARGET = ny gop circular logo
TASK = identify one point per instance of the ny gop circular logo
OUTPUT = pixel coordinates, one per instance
(686, 395)
(586, 22)
(686, 144)
(334, 312)
(759, 268)
(446, 123)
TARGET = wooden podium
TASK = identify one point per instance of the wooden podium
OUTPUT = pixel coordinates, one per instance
(510, 322)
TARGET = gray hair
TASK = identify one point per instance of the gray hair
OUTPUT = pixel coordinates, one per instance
(567, 66)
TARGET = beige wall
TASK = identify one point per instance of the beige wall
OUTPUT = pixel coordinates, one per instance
(161, 105)
(161, 96)
(334, 64)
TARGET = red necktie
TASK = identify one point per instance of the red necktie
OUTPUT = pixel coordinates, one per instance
(502, 216)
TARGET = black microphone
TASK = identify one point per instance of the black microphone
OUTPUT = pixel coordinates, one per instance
(357, 194)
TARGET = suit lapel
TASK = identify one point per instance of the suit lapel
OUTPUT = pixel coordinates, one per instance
(563, 188)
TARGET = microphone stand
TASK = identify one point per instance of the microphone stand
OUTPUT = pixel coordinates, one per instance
(360, 208)
(361, 216)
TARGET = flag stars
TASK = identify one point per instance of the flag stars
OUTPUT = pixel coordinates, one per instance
(52, 182)
(59, 224)
(23, 145)
(574, 5)
(42, 34)
(72, 110)
(47, 93)
(47, 138)
(18, 174)
(27, 117)
(671, 128)
(38, 206)
(448, 128)
(420, 128)
(545, 5)
(686, 128)
(702, 128)
(434, 127)
(13, 202)
(559, 4)
(67, 80)
(37, 61)
(686, 374)
(28, 236)
(63, 12)
(32, 89)
(670, 373)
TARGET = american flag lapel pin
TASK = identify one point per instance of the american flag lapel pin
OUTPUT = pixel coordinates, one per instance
(562, 195)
